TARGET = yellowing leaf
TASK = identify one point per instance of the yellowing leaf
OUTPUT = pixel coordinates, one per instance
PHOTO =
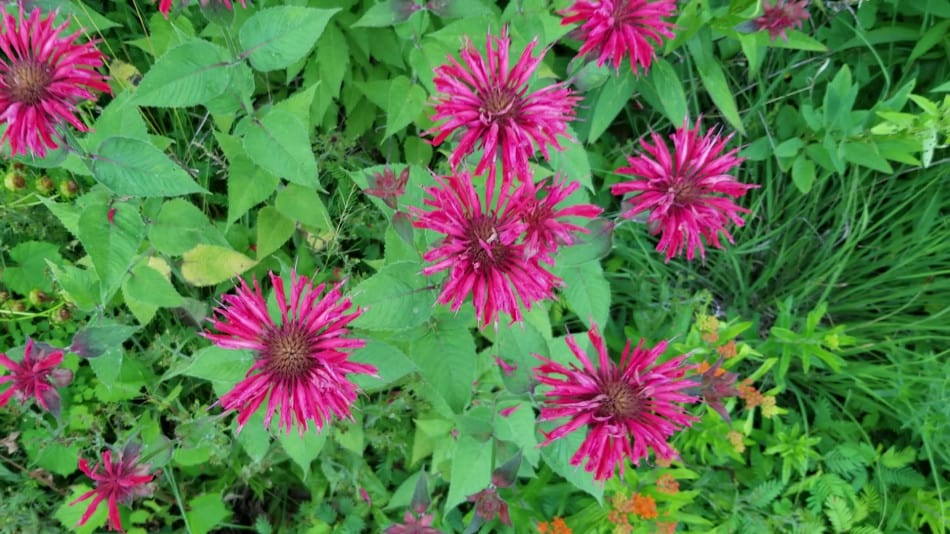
(206, 265)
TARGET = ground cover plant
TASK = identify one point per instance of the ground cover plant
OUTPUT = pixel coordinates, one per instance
(414, 266)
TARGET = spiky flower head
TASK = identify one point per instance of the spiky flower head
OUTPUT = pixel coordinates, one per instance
(44, 75)
(688, 193)
(628, 409)
(302, 360)
(118, 480)
(387, 187)
(492, 108)
(545, 226)
(612, 29)
(780, 16)
(482, 250)
(36, 376)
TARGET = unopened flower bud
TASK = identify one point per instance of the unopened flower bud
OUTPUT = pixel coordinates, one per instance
(38, 298)
(62, 315)
(14, 181)
(16, 306)
(45, 185)
(68, 189)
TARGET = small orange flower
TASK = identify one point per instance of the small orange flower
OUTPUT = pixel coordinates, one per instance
(728, 350)
(667, 461)
(736, 439)
(666, 527)
(644, 506)
(710, 337)
(702, 368)
(749, 394)
(560, 527)
(667, 484)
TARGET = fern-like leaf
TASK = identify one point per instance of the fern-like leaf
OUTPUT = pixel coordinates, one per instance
(765, 493)
(839, 514)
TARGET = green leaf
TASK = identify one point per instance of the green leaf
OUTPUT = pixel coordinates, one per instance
(188, 75)
(572, 161)
(276, 37)
(519, 428)
(471, 470)
(669, 90)
(136, 168)
(378, 16)
(207, 265)
(222, 367)
(558, 457)
(446, 361)
(714, 78)
(303, 205)
(517, 346)
(395, 298)
(70, 514)
(180, 226)
(273, 230)
(149, 286)
(255, 437)
(303, 450)
(50, 454)
(866, 155)
(120, 118)
(391, 365)
(108, 367)
(81, 286)
(205, 512)
(586, 291)
(29, 272)
(799, 41)
(95, 340)
(111, 242)
(789, 148)
(610, 100)
(839, 99)
(280, 143)
(803, 173)
(405, 102)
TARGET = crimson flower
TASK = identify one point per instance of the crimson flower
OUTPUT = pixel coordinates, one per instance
(164, 6)
(302, 361)
(781, 16)
(386, 186)
(413, 525)
(36, 376)
(681, 190)
(481, 250)
(43, 76)
(488, 505)
(612, 29)
(626, 409)
(491, 106)
(118, 480)
(544, 229)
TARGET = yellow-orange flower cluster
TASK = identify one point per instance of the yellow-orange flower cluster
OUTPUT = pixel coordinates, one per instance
(644, 506)
(665, 527)
(769, 409)
(736, 439)
(728, 350)
(749, 394)
(556, 526)
(667, 484)
(709, 326)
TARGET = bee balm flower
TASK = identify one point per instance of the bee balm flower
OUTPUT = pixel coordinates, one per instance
(36, 377)
(120, 480)
(612, 29)
(43, 76)
(302, 360)
(627, 408)
(687, 192)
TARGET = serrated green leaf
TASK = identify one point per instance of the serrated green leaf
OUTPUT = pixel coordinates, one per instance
(206, 512)
(188, 75)
(303, 450)
(395, 298)
(471, 470)
(207, 265)
(137, 168)
(276, 37)
(111, 242)
(404, 103)
(446, 360)
(611, 99)
(149, 286)
(304, 205)
(586, 291)
(29, 270)
(558, 457)
(273, 230)
(280, 143)
(222, 367)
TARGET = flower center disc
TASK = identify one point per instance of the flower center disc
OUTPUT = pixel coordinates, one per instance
(288, 352)
(484, 248)
(498, 103)
(684, 190)
(622, 401)
(27, 81)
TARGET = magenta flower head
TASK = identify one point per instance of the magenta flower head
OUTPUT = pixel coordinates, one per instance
(627, 409)
(686, 192)
(413, 525)
(545, 227)
(481, 250)
(612, 29)
(387, 187)
(117, 480)
(302, 360)
(780, 16)
(35, 377)
(43, 76)
(490, 105)
(164, 6)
